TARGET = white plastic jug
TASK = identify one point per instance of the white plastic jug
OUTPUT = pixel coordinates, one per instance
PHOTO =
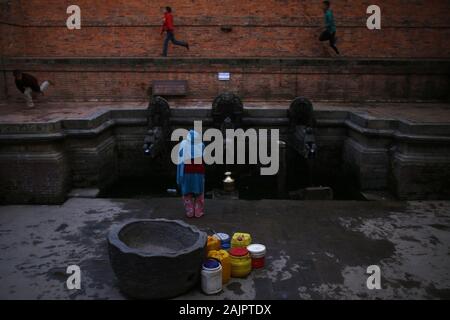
(211, 276)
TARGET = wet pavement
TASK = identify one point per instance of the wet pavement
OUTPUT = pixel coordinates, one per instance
(316, 249)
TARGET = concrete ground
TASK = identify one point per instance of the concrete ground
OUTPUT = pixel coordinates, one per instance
(17, 112)
(316, 250)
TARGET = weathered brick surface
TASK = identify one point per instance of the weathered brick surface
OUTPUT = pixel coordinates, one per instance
(128, 79)
(368, 165)
(33, 173)
(93, 161)
(265, 28)
(241, 42)
(259, 28)
(420, 177)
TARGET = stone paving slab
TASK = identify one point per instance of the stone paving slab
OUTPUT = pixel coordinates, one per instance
(316, 250)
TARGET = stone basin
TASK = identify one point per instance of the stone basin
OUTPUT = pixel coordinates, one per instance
(156, 258)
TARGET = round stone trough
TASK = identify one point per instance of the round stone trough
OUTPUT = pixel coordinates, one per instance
(156, 258)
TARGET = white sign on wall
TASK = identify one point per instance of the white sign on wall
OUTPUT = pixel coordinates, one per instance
(224, 76)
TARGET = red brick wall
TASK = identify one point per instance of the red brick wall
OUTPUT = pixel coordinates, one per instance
(128, 79)
(11, 32)
(260, 28)
(418, 28)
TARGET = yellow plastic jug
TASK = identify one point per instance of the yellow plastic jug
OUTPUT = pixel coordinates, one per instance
(241, 263)
(224, 259)
(212, 244)
(241, 240)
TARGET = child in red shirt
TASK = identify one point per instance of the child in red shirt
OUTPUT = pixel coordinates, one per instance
(168, 27)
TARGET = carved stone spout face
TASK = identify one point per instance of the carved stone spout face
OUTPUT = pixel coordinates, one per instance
(227, 105)
(226, 124)
(158, 117)
(301, 112)
(158, 112)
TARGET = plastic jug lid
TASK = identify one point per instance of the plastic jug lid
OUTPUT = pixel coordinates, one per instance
(214, 253)
(211, 264)
(238, 252)
(222, 236)
(256, 248)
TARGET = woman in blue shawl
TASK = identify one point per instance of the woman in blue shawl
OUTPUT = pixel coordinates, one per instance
(191, 174)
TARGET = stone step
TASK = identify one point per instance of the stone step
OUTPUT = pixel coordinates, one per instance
(90, 193)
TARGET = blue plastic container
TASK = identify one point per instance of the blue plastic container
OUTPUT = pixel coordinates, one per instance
(225, 240)
(211, 264)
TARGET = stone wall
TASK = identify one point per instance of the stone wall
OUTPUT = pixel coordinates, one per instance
(278, 38)
(408, 159)
(34, 173)
(127, 79)
(40, 163)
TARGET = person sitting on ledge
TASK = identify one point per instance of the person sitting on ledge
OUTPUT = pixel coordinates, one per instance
(28, 85)
(169, 28)
(330, 31)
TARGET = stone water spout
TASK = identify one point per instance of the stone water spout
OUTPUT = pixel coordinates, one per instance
(227, 111)
(301, 128)
(158, 116)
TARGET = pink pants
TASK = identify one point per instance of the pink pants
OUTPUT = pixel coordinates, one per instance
(194, 206)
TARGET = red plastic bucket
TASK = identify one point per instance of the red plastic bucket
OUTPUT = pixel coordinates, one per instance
(257, 253)
(258, 262)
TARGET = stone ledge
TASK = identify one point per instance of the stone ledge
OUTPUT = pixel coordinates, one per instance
(435, 65)
(84, 193)
(106, 119)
